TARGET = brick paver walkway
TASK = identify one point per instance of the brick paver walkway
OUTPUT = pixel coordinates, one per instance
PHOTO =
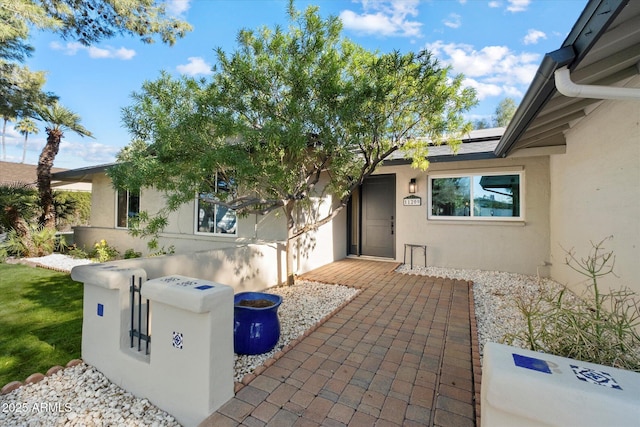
(399, 354)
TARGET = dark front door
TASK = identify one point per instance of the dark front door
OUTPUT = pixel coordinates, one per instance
(378, 216)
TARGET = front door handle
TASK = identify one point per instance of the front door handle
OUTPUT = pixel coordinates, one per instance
(392, 225)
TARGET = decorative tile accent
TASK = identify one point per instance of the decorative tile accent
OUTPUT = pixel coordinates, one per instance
(185, 282)
(100, 310)
(177, 340)
(531, 363)
(595, 377)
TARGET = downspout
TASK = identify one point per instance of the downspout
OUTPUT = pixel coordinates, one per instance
(567, 87)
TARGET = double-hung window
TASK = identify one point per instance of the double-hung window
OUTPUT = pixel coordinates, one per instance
(477, 196)
(212, 218)
(127, 207)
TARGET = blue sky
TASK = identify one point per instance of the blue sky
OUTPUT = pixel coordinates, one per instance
(496, 44)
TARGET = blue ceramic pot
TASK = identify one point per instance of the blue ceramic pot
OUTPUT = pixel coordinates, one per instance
(256, 330)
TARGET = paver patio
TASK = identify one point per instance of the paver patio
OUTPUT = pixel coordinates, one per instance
(399, 354)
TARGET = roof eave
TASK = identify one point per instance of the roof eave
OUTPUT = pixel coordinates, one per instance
(592, 23)
(81, 174)
(487, 155)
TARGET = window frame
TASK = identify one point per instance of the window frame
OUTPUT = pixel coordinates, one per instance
(128, 198)
(196, 218)
(471, 176)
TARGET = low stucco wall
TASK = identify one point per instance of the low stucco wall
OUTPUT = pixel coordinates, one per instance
(595, 193)
(244, 268)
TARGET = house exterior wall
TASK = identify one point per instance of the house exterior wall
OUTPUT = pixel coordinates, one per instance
(513, 246)
(595, 193)
(264, 234)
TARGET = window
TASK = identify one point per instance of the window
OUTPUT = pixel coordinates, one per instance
(212, 218)
(475, 196)
(127, 207)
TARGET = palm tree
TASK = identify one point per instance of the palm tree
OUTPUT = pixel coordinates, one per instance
(58, 119)
(26, 126)
(18, 204)
(6, 117)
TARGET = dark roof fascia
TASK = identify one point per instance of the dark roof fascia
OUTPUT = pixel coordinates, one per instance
(446, 158)
(81, 173)
(592, 23)
(539, 93)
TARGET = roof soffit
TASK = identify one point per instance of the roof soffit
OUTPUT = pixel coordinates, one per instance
(608, 58)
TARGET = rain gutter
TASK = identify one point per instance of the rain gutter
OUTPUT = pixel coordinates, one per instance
(567, 87)
(592, 23)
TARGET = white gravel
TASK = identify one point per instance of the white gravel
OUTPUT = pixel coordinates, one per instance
(78, 396)
(58, 261)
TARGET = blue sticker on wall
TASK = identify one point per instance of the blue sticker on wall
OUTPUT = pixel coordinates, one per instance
(100, 310)
(531, 363)
(595, 377)
(177, 340)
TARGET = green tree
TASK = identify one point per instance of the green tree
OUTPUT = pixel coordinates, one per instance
(90, 21)
(26, 126)
(290, 116)
(58, 119)
(505, 111)
(481, 124)
(21, 94)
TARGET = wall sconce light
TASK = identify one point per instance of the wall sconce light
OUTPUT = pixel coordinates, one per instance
(412, 185)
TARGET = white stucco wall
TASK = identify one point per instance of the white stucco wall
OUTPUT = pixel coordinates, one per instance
(267, 232)
(595, 192)
(514, 246)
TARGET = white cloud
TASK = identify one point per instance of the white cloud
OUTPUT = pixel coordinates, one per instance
(492, 70)
(453, 21)
(177, 7)
(89, 151)
(512, 5)
(110, 52)
(196, 66)
(518, 5)
(69, 49)
(533, 36)
(383, 17)
(483, 90)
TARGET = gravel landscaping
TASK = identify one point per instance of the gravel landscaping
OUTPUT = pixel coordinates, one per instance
(83, 396)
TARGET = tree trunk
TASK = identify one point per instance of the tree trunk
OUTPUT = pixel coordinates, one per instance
(288, 209)
(4, 131)
(49, 152)
(24, 147)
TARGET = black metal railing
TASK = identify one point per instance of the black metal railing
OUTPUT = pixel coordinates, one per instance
(139, 331)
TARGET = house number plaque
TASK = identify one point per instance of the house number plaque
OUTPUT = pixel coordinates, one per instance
(412, 201)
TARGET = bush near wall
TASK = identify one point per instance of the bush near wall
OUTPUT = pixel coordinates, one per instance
(81, 214)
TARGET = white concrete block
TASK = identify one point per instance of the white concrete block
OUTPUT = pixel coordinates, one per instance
(526, 388)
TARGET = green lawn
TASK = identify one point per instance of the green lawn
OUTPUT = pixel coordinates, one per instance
(40, 321)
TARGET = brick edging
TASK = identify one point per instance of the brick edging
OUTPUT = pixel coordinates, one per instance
(476, 367)
(37, 377)
(269, 362)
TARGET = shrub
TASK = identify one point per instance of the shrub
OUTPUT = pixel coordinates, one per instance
(601, 328)
(38, 241)
(76, 252)
(130, 253)
(102, 252)
(72, 208)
